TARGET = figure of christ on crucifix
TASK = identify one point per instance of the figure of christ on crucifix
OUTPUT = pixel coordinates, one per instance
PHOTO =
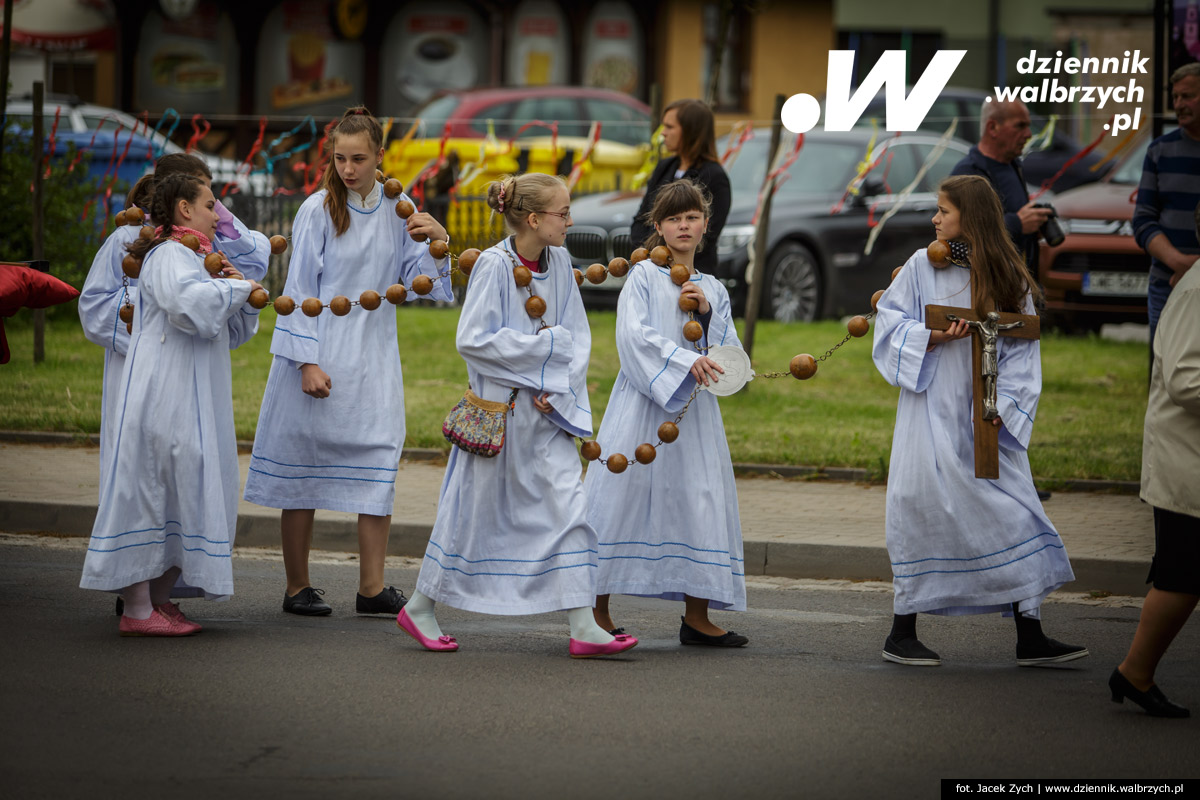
(985, 370)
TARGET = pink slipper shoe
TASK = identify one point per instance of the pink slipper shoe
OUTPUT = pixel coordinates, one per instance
(442, 644)
(619, 644)
(154, 625)
(173, 612)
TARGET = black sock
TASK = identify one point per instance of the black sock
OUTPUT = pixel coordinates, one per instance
(1029, 630)
(904, 626)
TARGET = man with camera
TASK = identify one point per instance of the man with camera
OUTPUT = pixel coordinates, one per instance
(1168, 192)
(1004, 130)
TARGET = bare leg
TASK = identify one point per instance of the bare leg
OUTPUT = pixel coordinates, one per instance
(296, 527)
(160, 587)
(600, 612)
(372, 550)
(1163, 616)
(695, 614)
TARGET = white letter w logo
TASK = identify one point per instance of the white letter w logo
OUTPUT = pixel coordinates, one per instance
(801, 111)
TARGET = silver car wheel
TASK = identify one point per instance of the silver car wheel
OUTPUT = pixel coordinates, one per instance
(793, 289)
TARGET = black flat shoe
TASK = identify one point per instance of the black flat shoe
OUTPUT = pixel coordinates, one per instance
(306, 603)
(1049, 652)
(689, 635)
(910, 652)
(120, 605)
(389, 601)
(1153, 701)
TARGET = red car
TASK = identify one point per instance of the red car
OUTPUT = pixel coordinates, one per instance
(1098, 274)
(623, 118)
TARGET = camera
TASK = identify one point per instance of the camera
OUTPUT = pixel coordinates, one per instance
(1051, 231)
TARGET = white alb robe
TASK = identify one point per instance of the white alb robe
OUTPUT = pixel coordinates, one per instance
(511, 535)
(341, 452)
(106, 289)
(169, 492)
(960, 544)
(669, 528)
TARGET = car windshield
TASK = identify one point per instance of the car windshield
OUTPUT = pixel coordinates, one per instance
(435, 113)
(822, 167)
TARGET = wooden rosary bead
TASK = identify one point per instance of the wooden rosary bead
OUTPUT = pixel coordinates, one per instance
(392, 188)
(578, 277)
(688, 303)
(522, 276)
(645, 453)
(875, 299)
(668, 432)
(641, 254)
(147, 232)
(590, 450)
(379, 176)
(938, 253)
(131, 266)
(405, 209)
(340, 305)
(617, 463)
(396, 294)
(369, 300)
(126, 313)
(596, 274)
(618, 267)
(418, 237)
(896, 271)
(680, 275)
(422, 285)
(259, 298)
(438, 249)
(312, 306)
(121, 217)
(693, 331)
(191, 242)
(467, 260)
(858, 326)
(213, 263)
(284, 305)
(803, 367)
(129, 327)
(535, 307)
(134, 216)
(278, 244)
(661, 256)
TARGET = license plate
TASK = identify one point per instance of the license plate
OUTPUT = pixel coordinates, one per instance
(1128, 284)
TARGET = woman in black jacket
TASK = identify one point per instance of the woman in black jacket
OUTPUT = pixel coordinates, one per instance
(688, 132)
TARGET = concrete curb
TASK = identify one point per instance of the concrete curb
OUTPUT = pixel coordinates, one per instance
(776, 559)
(847, 474)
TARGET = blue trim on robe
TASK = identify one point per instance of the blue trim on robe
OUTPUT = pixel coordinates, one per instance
(318, 477)
(511, 560)
(664, 369)
(976, 558)
(322, 466)
(298, 335)
(1017, 406)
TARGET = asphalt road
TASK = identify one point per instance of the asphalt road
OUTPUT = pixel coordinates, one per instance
(263, 704)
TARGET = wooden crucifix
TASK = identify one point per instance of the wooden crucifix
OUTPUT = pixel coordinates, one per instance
(984, 369)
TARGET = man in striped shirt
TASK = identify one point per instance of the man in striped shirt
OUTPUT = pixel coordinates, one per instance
(1168, 194)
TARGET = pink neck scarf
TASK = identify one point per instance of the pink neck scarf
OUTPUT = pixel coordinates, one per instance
(178, 232)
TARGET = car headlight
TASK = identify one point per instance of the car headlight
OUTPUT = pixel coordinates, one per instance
(734, 238)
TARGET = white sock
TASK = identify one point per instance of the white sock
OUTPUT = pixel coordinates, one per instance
(584, 627)
(419, 609)
(137, 600)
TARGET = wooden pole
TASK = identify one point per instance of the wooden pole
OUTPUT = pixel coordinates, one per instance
(5, 55)
(754, 277)
(39, 146)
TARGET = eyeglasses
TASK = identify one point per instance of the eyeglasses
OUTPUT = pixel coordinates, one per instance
(564, 214)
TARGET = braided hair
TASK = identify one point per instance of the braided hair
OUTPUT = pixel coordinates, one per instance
(167, 194)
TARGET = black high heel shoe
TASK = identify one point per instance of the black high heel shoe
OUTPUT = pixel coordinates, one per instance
(1153, 701)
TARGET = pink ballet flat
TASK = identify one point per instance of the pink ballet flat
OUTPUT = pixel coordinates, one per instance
(619, 644)
(172, 611)
(442, 644)
(156, 624)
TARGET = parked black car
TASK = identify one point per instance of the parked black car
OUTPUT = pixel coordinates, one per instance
(816, 265)
(1039, 165)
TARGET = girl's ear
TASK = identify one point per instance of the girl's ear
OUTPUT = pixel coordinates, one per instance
(183, 208)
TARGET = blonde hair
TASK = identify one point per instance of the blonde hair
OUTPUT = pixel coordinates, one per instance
(355, 120)
(998, 272)
(514, 197)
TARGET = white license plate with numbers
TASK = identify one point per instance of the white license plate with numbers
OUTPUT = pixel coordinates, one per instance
(1129, 284)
